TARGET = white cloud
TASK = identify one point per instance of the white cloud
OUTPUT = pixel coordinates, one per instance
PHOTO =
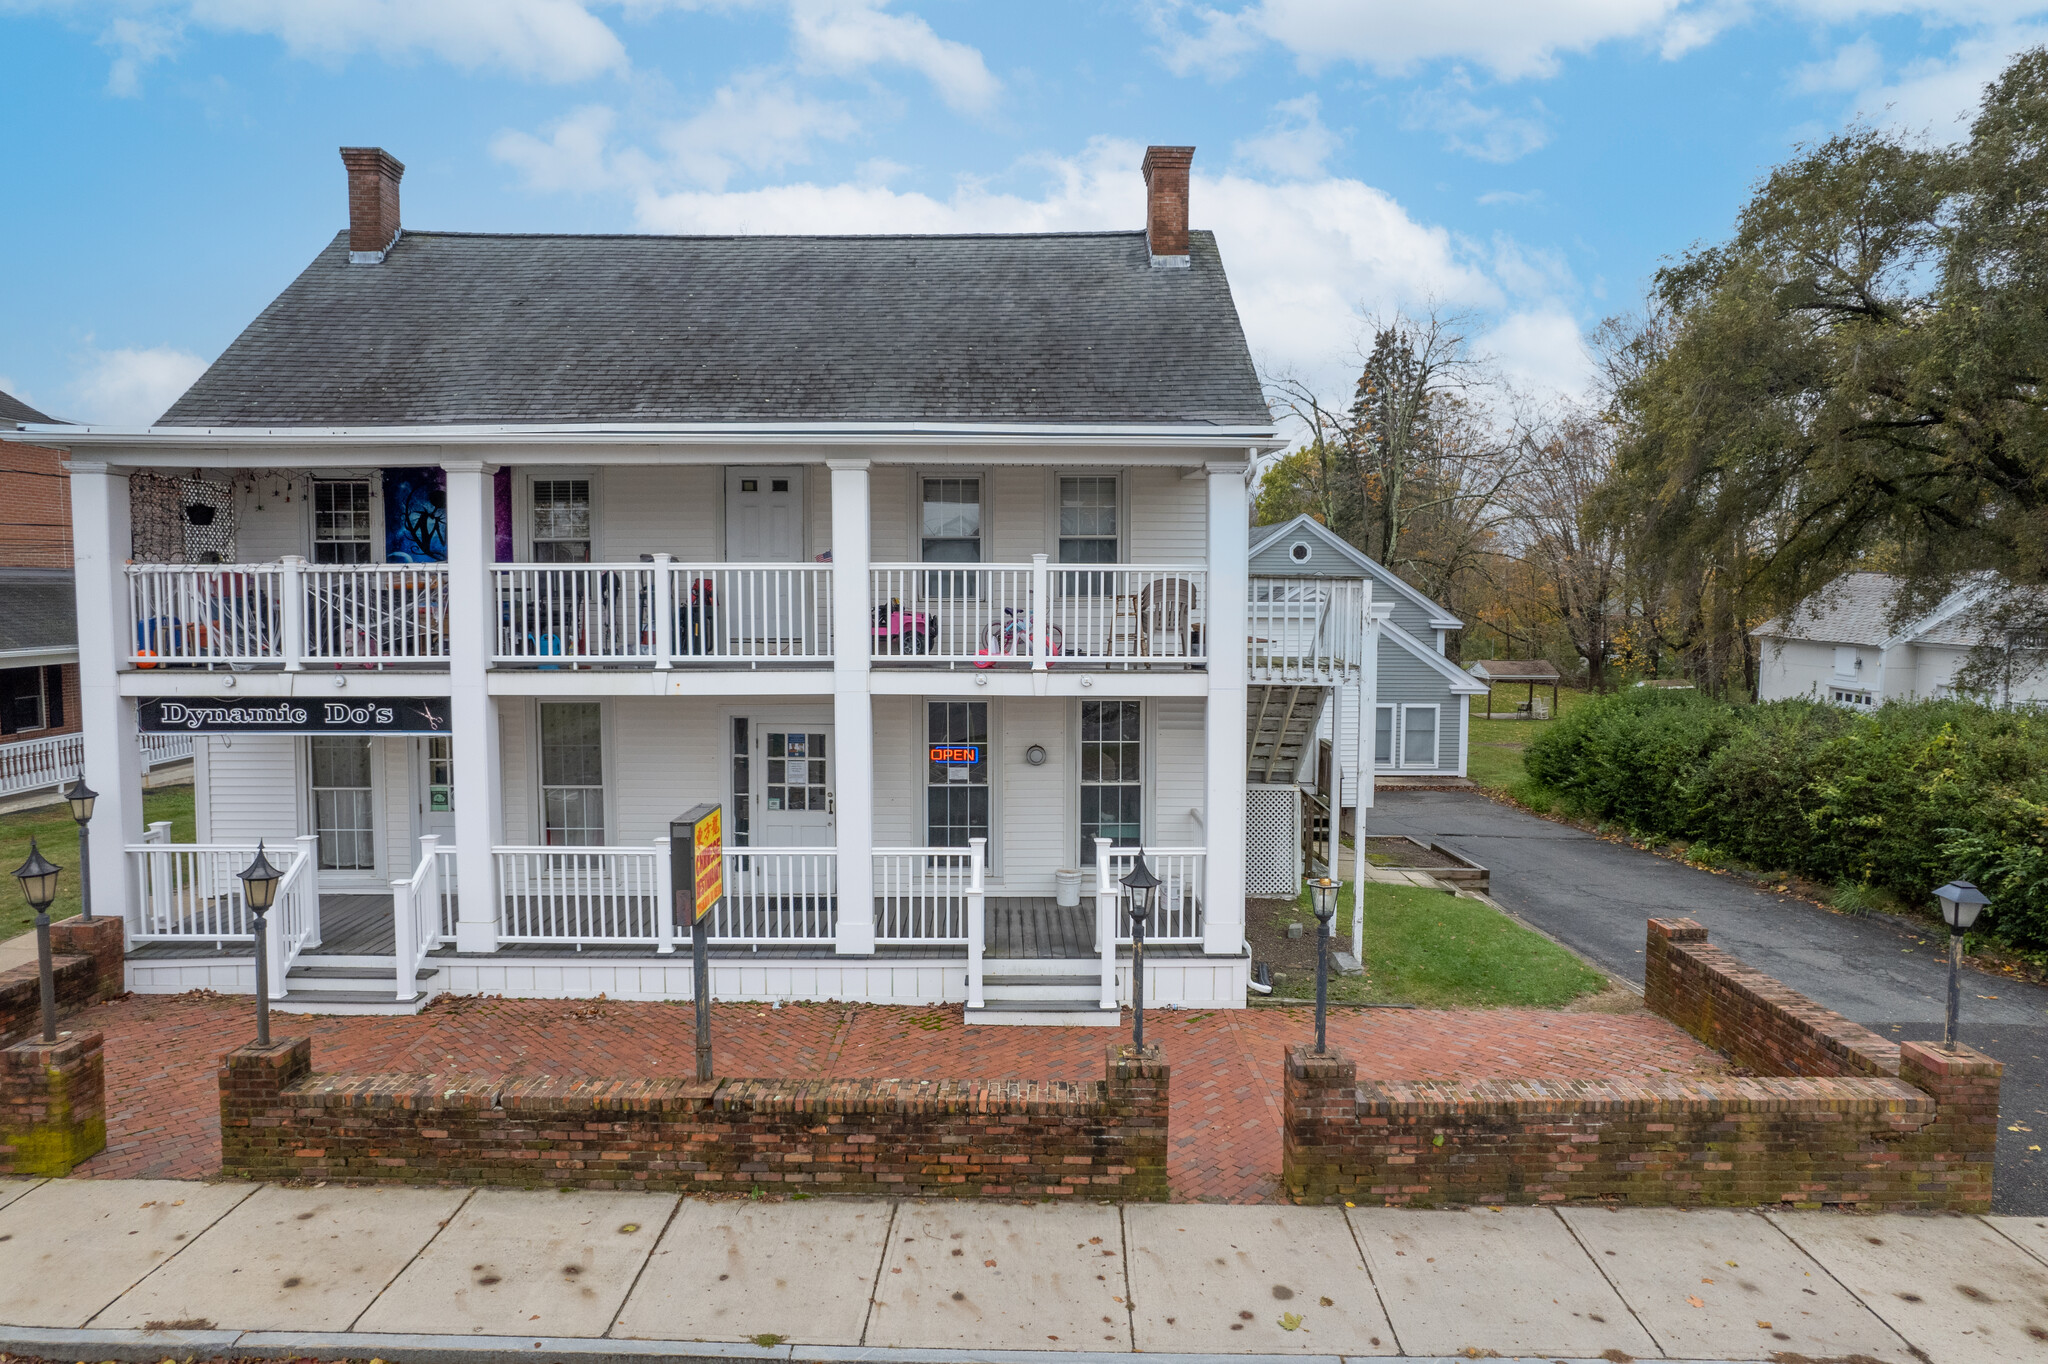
(1936, 94)
(1854, 66)
(1540, 350)
(1496, 198)
(1489, 134)
(1511, 39)
(131, 388)
(1306, 257)
(758, 122)
(1295, 145)
(848, 36)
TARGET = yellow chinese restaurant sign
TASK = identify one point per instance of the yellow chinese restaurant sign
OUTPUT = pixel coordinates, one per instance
(706, 835)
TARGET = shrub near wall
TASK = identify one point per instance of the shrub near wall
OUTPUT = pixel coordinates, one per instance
(1902, 798)
(1022, 1139)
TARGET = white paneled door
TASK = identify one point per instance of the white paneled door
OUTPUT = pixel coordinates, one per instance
(793, 801)
(764, 516)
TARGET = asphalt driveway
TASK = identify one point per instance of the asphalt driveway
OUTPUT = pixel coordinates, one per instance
(1594, 894)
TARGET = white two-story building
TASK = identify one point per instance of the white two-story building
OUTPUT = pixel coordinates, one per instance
(478, 558)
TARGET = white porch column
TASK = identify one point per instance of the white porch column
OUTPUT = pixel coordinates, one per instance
(113, 761)
(1224, 802)
(853, 722)
(472, 624)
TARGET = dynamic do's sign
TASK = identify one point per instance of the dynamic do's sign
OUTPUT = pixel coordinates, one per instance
(291, 715)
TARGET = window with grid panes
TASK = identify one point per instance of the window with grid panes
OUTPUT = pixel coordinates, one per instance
(341, 521)
(1088, 531)
(742, 783)
(343, 802)
(795, 772)
(572, 774)
(561, 520)
(23, 693)
(1111, 775)
(956, 795)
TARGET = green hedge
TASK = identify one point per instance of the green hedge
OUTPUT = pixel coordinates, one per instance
(1902, 798)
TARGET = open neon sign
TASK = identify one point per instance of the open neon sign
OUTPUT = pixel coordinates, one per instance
(956, 755)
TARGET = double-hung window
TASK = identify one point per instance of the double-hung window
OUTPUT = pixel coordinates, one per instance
(344, 803)
(572, 774)
(956, 773)
(561, 520)
(24, 699)
(1111, 775)
(341, 521)
(1088, 523)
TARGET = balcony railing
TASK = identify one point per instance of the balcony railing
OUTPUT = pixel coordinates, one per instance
(287, 614)
(39, 764)
(1305, 630)
(662, 613)
(1038, 615)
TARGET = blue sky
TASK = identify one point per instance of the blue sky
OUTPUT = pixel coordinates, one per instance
(171, 163)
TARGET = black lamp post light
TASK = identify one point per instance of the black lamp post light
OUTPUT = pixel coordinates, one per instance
(259, 892)
(1324, 893)
(1141, 885)
(1960, 902)
(80, 798)
(38, 877)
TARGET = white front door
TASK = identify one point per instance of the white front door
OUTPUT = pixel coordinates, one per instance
(793, 801)
(764, 516)
(433, 787)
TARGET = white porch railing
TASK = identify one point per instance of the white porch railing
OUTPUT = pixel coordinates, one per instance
(778, 895)
(37, 764)
(730, 613)
(193, 892)
(922, 894)
(1306, 630)
(445, 882)
(380, 612)
(219, 614)
(584, 896)
(956, 613)
(288, 613)
(1177, 905)
(293, 923)
(1128, 614)
(416, 916)
(552, 614)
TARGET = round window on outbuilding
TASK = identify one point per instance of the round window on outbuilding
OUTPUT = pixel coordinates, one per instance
(1298, 551)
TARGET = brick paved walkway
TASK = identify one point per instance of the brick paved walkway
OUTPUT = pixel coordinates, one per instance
(162, 1103)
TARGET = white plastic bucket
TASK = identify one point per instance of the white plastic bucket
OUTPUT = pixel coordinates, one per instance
(1066, 888)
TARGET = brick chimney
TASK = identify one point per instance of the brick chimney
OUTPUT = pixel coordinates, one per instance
(1166, 205)
(373, 176)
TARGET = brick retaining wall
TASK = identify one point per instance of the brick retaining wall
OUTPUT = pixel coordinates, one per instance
(927, 1138)
(1839, 1117)
(87, 965)
(53, 1104)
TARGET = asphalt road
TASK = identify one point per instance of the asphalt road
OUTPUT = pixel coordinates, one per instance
(1594, 894)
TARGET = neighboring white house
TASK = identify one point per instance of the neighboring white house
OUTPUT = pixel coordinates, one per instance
(1842, 645)
(477, 559)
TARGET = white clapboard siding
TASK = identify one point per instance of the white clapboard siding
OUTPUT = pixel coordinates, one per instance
(1020, 523)
(652, 509)
(899, 792)
(667, 754)
(1178, 770)
(892, 539)
(1034, 805)
(1169, 518)
(252, 789)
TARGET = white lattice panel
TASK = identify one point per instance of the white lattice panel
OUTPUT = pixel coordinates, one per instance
(1272, 841)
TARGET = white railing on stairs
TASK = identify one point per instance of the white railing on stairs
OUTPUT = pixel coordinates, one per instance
(921, 894)
(188, 891)
(293, 923)
(416, 916)
(445, 882)
(1177, 904)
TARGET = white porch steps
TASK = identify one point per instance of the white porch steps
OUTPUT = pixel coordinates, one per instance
(1042, 992)
(353, 985)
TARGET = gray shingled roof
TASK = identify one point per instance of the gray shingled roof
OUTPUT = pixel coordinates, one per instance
(13, 409)
(1853, 609)
(458, 328)
(37, 610)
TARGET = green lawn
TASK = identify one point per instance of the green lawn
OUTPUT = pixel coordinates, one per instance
(1495, 757)
(57, 836)
(1443, 951)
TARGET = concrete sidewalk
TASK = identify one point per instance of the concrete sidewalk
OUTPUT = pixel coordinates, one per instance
(145, 1269)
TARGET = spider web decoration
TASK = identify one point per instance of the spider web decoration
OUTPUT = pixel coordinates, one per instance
(208, 512)
(156, 518)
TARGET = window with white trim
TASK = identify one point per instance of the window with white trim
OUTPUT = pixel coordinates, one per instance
(1383, 736)
(341, 521)
(949, 520)
(1088, 520)
(561, 520)
(344, 804)
(956, 793)
(1112, 775)
(1418, 735)
(572, 774)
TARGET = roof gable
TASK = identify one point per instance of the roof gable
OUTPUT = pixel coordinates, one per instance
(1326, 542)
(13, 409)
(1460, 681)
(457, 329)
